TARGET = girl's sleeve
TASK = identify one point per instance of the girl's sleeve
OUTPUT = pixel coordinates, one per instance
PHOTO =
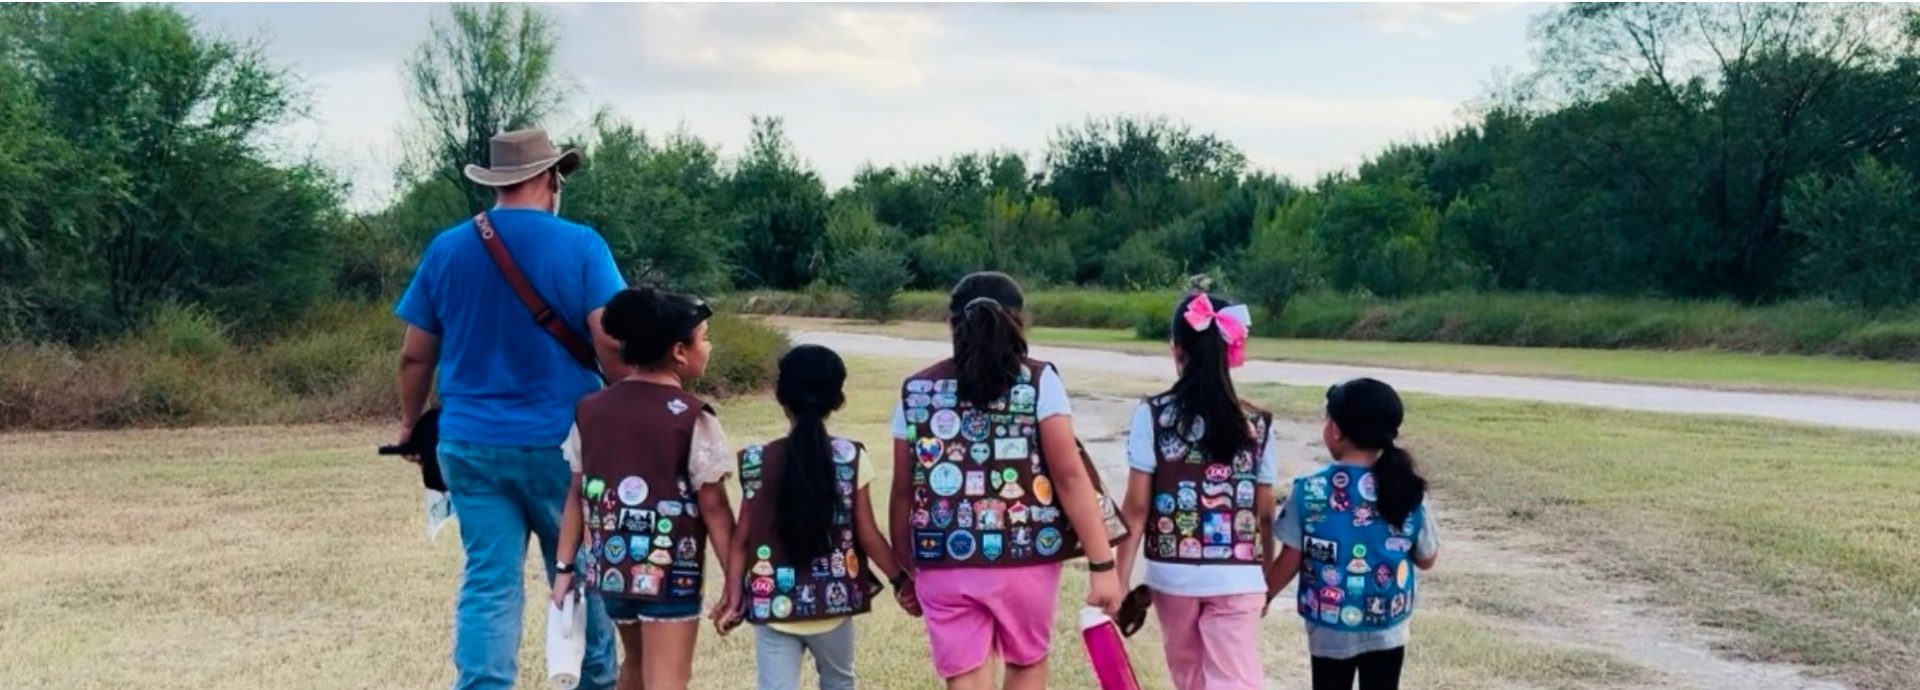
(1428, 542)
(1286, 525)
(712, 458)
(900, 430)
(571, 448)
(1140, 451)
(1268, 471)
(1052, 396)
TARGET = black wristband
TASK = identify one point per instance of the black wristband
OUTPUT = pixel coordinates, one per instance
(563, 568)
(1094, 566)
(900, 578)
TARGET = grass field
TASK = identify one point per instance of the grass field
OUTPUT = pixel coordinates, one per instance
(291, 557)
(1701, 368)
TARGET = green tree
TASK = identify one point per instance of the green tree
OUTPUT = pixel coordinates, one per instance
(1862, 232)
(867, 258)
(485, 70)
(779, 209)
(1277, 264)
(151, 136)
(656, 203)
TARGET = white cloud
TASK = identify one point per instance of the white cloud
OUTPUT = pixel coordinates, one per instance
(728, 46)
(1425, 19)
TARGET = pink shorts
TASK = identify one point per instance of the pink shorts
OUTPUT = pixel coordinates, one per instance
(971, 611)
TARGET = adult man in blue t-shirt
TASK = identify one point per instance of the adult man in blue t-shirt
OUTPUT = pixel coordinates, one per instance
(507, 393)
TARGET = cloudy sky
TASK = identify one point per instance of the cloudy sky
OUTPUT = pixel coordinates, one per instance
(1302, 89)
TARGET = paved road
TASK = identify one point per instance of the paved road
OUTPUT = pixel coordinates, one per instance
(1850, 413)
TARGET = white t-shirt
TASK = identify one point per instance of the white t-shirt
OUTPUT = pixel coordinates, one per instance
(1051, 400)
(1197, 580)
(712, 458)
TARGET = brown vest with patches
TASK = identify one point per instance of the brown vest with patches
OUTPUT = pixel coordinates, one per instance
(981, 494)
(645, 537)
(1203, 510)
(776, 586)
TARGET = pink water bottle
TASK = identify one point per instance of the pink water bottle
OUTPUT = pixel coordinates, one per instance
(1107, 650)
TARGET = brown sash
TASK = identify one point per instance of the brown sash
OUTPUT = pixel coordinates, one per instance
(548, 319)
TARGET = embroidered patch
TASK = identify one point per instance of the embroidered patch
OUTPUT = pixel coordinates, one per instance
(945, 479)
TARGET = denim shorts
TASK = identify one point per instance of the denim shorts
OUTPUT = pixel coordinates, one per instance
(626, 611)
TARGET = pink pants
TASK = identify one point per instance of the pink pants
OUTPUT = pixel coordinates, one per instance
(1213, 643)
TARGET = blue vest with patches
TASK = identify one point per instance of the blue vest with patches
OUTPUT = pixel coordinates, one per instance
(1356, 571)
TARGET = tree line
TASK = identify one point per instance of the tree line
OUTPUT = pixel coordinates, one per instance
(1752, 152)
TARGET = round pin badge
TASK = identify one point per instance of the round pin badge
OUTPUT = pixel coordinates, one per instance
(945, 479)
(633, 490)
(1367, 489)
(1340, 480)
(960, 545)
(1163, 503)
(945, 424)
(764, 552)
(782, 607)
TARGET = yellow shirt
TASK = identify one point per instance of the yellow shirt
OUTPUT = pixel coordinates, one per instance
(863, 475)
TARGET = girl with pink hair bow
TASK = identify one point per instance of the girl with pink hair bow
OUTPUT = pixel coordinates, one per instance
(1200, 502)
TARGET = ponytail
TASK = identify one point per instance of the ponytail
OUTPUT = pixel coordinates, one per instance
(809, 388)
(1204, 392)
(989, 337)
(1398, 485)
(1369, 413)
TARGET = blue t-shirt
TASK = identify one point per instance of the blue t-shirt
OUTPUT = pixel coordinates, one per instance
(504, 380)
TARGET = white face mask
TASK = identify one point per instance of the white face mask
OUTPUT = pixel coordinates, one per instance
(560, 183)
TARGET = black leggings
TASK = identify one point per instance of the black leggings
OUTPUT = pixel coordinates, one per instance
(1377, 670)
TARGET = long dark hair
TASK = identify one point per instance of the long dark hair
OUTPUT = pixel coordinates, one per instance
(989, 338)
(1205, 388)
(810, 384)
(1369, 413)
(648, 321)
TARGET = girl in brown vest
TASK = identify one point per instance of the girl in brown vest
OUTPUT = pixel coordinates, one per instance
(1200, 499)
(990, 495)
(648, 487)
(799, 559)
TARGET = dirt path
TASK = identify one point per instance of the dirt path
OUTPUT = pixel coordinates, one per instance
(1852, 413)
(1583, 611)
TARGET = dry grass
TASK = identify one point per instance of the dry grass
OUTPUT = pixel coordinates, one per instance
(291, 557)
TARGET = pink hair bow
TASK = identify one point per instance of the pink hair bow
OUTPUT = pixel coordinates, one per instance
(1233, 323)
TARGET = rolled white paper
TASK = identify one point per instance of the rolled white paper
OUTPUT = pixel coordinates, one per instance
(566, 642)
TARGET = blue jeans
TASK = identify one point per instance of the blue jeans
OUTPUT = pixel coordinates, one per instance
(500, 494)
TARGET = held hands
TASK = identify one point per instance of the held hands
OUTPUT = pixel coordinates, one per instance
(1104, 591)
(727, 614)
(907, 598)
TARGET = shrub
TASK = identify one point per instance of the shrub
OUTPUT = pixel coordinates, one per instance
(873, 273)
(746, 356)
(187, 331)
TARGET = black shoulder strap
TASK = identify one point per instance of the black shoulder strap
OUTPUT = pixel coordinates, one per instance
(548, 319)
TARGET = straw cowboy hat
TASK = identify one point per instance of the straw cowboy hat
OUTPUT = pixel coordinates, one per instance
(521, 155)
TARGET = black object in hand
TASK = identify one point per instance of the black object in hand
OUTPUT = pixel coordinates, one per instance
(424, 443)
